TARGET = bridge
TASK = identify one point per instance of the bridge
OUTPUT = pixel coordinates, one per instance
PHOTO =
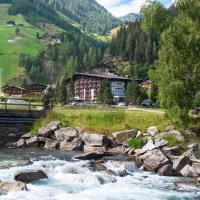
(16, 110)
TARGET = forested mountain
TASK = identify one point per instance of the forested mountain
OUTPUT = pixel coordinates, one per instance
(76, 53)
(133, 45)
(88, 13)
(38, 13)
(130, 18)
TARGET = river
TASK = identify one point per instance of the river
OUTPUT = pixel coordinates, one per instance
(72, 180)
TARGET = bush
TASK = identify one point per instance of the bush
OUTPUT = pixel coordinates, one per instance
(137, 143)
(172, 140)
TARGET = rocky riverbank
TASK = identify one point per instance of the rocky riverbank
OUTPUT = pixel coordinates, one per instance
(155, 156)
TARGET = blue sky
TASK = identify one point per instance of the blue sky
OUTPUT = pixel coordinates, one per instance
(123, 7)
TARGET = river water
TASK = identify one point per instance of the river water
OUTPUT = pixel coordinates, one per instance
(72, 180)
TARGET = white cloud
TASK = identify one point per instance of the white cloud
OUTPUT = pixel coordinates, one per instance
(119, 8)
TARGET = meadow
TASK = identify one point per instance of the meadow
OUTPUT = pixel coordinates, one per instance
(10, 50)
(105, 121)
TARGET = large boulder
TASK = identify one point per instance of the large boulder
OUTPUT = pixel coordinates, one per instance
(188, 171)
(117, 150)
(173, 133)
(96, 140)
(32, 142)
(172, 151)
(48, 129)
(96, 166)
(75, 145)
(51, 144)
(90, 149)
(20, 143)
(67, 134)
(180, 163)
(152, 131)
(166, 170)
(122, 136)
(10, 187)
(193, 151)
(196, 167)
(154, 160)
(27, 177)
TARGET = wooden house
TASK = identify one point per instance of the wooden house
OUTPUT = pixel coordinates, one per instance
(11, 90)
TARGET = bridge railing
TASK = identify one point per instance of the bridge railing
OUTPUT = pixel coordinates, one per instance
(20, 104)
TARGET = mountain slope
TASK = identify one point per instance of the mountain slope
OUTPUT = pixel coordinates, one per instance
(12, 45)
(130, 18)
(88, 13)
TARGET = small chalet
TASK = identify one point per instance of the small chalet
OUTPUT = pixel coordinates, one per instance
(36, 88)
(10, 23)
(48, 38)
(11, 90)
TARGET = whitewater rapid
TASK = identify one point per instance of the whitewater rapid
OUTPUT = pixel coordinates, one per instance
(72, 180)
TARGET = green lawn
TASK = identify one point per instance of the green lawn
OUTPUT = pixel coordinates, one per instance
(10, 51)
(106, 121)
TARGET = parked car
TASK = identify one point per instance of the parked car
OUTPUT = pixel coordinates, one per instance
(122, 104)
(145, 103)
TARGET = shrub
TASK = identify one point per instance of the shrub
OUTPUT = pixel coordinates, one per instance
(137, 143)
(172, 140)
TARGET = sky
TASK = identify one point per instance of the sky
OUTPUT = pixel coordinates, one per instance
(123, 7)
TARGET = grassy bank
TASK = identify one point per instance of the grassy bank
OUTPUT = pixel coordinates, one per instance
(106, 121)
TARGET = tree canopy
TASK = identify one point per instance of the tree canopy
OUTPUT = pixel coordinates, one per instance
(178, 71)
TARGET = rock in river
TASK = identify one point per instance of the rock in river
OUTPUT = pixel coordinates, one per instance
(67, 134)
(96, 140)
(27, 177)
(48, 130)
(8, 187)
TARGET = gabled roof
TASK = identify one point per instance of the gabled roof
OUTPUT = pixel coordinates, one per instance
(13, 86)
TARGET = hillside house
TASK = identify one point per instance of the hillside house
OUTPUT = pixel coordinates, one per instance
(11, 90)
(87, 86)
(35, 89)
(48, 38)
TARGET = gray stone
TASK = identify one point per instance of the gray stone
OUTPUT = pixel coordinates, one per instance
(188, 171)
(91, 156)
(51, 144)
(48, 129)
(20, 143)
(117, 150)
(67, 134)
(75, 145)
(96, 166)
(154, 160)
(12, 187)
(26, 136)
(96, 140)
(149, 146)
(160, 143)
(32, 142)
(169, 128)
(30, 176)
(122, 136)
(196, 167)
(180, 163)
(88, 149)
(174, 133)
(152, 131)
(166, 170)
(172, 151)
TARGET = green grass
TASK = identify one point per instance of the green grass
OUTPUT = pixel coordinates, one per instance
(137, 143)
(9, 52)
(105, 121)
(172, 140)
